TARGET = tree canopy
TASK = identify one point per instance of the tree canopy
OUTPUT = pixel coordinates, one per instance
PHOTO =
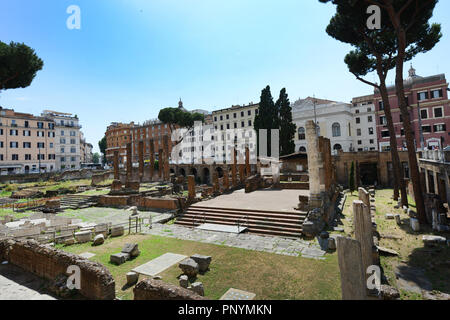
(102, 146)
(287, 127)
(18, 65)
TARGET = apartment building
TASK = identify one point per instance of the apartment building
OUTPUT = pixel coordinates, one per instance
(152, 129)
(429, 109)
(85, 150)
(234, 127)
(117, 136)
(27, 143)
(363, 110)
(67, 139)
(335, 120)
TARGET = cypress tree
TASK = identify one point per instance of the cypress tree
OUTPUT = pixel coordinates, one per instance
(287, 128)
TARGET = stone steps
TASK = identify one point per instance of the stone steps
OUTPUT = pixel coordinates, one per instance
(78, 202)
(275, 223)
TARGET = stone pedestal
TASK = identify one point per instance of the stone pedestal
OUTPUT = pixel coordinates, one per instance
(116, 185)
(363, 231)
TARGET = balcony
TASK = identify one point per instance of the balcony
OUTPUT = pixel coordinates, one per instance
(436, 155)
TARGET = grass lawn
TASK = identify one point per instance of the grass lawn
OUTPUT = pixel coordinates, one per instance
(270, 276)
(410, 247)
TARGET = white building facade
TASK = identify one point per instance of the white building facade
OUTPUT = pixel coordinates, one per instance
(363, 111)
(334, 119)
(67, 140)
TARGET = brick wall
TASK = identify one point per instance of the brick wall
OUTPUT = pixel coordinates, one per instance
(149, 289)
(97, 282)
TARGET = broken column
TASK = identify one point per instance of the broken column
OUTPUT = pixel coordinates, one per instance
(233, 169)
(241, 169)
(160, 164)
(216, 187)
(141, 159)
(191, 187)
(152, 158)
(247, 162)
(116, 165)
(363, 232)
(314, 165)
(129, 162)
(226, 181)
(166, 158)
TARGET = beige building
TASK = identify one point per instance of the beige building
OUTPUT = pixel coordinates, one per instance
(27, 143)
(85, 150)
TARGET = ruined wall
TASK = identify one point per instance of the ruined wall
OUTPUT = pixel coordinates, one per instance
(100, 177)
(149, 289)
(57, 176)
(97, 282)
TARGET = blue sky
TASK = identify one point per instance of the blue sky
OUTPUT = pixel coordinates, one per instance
(133, 57)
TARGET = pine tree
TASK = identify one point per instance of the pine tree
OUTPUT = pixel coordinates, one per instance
(287, 128)
(351, 178)
(267, 117)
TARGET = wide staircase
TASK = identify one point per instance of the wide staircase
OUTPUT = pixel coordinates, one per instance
(271, 223)
(74, 201)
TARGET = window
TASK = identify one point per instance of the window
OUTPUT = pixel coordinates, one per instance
(221, 118)
(424, 113)
(221, 127)
(40, 125)
(256, 111)
(15, 157)
(13, 123)
(26, 133)
(73, 150)
(336, 129)
(28, 157)
(41, 156)
(14, 132)
(250, 123)
(242, 124)
(1, 157)
(435, 94)
(72, 141)
(369, 109)
(235, 125)
(228, 126)
(381, 105)
(369, 119)
(242, 113)
(62, 141)
(426, 129)
(358, 120)
(422, 96)
(441, 127)
(359, 141)
(402, 132)
(13, 145)
(40, 133)
(40, 145)
(1, 132)
(62, 150)
(63, 159)
(371, 141)
(438, 112)
(27, 145)
(228, 116)
(73, 159)
(400, 118)
(26, 124)
(62, 132)
(249, 112)
(385, 133)
(73, 133)
(356, 111)
(301, 133)
(51, 145)
(370, 131)
(383, 120)
(215, 118)
(358, 132)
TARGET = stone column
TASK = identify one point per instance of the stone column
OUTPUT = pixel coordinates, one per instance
(152, 158)
(363, 232)
(233, 169)
(160, 164)
(314, 165)
(116, 165)
(364, 196)
(226, 181)
(247, 162)
(129, 162)
(215, 177)
(191, 187)
(166, 157)
(353, 281)
(141, 159)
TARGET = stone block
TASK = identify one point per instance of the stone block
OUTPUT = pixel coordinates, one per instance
(389, 216)
(198, 288)
(398, 219)
(132, 278)
(203, 262)
(414, 224)
(184, 281)
(132, 249)
(431, 240)
(83, 236)
(117, 231)
(119, 258)
(331, 244)
(98, 240)
(189, 267)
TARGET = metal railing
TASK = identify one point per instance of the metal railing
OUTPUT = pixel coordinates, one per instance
(238, 222)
